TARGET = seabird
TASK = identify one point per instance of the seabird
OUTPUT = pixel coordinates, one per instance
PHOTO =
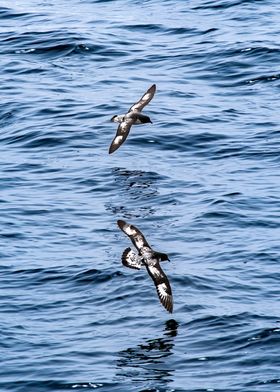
(132, 117)
(150, 259)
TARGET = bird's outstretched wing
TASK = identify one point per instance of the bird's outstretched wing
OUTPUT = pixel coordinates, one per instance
(162, 285)
(147, 97)
(134, 234)
(121, 135)
(131, 259)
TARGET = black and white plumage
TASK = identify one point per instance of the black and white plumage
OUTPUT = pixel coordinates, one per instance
(132, 117)
(132, 260)
(149, 258)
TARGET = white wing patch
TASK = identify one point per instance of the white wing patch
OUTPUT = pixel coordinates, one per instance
(129, 230)
(155, 271)
(145, 97)
(139, 241)
(162, 290)
(118, 139)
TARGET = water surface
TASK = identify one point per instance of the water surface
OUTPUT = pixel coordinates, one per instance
(202, 183)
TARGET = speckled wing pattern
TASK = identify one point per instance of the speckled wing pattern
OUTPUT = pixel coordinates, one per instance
(131, 259)
(162, 285)
(129, 120)
(121, 135)
(134, 234)
(148, 258)
(144, 100)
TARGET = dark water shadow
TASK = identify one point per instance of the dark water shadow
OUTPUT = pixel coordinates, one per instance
(148, 364)
(136, 193)
(137, 183)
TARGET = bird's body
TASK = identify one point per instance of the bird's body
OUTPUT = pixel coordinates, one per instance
(149, 258)
(132, 117)
(138, 118)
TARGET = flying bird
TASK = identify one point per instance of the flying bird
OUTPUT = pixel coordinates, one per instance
(132, 117)
(149, 258)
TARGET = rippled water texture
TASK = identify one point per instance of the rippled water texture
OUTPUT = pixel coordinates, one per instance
(201, 182)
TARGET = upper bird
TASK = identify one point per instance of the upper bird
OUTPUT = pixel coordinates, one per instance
(150, 259)
(133, 116)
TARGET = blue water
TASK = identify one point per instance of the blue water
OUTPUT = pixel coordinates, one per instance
(202, 182)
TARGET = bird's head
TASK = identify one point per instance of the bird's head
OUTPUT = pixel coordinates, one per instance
(162, 256)
(147, 119)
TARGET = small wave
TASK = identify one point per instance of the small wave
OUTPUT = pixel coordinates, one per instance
(9, 13)
(34, 139)
(95, 276)
(224, 4)
(264, 79)
(47, 44)
(183, 142)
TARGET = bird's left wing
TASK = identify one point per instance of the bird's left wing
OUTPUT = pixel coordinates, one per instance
(131, 259)
(134, 234)
(121, 135)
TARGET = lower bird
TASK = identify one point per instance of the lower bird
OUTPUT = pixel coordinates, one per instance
(133, 116)
(149, 258)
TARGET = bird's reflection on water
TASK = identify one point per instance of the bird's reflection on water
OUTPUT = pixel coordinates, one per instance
(134, 188)
(150, 360)
(137, 183)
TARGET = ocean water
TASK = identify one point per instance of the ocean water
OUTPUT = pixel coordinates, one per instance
(202, 183)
